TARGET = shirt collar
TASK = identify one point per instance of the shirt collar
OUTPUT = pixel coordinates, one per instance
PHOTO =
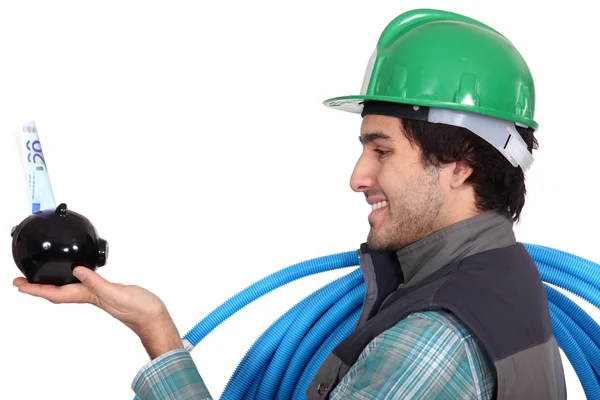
(483, 232)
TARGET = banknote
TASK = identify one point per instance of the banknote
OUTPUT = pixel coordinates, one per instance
(37, 181)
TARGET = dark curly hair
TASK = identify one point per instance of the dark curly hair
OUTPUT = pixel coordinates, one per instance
(497, 184)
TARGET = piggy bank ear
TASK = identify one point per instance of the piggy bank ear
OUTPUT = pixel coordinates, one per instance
(61, 210)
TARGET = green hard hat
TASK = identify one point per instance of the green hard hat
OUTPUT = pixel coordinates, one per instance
(439, 59)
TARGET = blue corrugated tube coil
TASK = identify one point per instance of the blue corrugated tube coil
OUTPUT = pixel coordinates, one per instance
(283, 360)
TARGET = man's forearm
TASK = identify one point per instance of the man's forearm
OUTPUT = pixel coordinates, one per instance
(160, 338)
(171, 373)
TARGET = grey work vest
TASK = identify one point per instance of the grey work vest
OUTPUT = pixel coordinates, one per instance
(490, 284)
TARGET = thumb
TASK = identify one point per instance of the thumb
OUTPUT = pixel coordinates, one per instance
(96, 284)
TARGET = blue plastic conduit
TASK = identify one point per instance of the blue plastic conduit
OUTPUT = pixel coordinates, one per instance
(283, 361)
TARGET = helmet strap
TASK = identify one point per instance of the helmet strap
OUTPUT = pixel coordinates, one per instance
(502, 134)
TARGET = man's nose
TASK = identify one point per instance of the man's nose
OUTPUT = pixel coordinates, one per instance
(363, 177)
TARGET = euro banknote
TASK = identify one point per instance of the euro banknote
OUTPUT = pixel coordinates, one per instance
(37, 181)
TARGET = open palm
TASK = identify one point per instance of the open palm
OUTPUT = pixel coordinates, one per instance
(133, 305)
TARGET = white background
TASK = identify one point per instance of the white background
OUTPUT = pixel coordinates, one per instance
(195, 139)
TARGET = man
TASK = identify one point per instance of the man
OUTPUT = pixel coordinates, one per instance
(454, 306)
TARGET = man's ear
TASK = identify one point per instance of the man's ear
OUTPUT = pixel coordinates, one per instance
(460, 173)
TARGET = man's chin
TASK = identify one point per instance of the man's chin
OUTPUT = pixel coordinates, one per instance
(376, 242)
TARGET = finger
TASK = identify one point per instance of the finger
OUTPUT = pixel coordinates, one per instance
(73, 293)
(97, 285)
(19, 281)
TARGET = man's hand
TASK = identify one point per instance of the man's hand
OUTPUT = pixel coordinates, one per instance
(139, 309)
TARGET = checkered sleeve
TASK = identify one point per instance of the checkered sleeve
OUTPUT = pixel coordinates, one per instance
(428, 355)
(172, 376)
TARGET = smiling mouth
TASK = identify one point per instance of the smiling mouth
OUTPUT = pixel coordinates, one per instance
(379, 205)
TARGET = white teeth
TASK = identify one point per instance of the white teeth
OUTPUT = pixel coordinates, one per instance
(379, 205)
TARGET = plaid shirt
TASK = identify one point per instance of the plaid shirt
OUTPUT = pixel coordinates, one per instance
(426, 355)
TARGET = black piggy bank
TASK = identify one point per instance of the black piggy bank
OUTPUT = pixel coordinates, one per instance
(49, 244)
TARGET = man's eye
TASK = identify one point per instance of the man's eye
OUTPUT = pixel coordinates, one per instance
(381, 152)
